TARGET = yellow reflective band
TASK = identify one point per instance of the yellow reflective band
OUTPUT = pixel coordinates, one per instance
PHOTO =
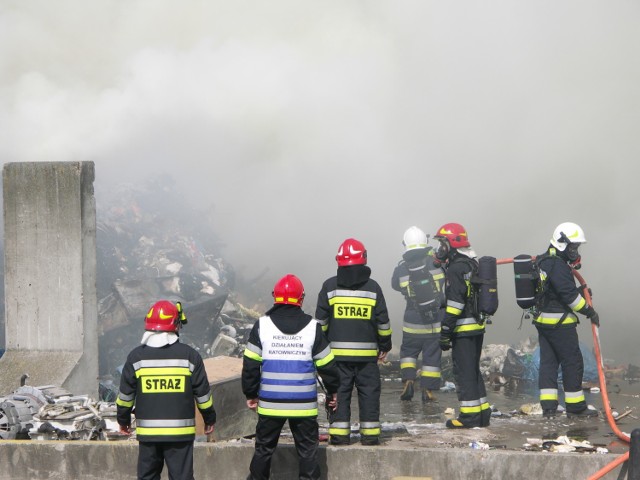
(339, 431)
(356, 312)
(166, 431)
(470, 409)
(271, 412)
(430, 374)
(580, 304)
(352, 301)
(205, 405)
(554, 321)
(453, 310)
(323, 361)
(345, 352)
(162, 384)
(574, 399)
(384, 333)
(468, 328)
(421, 331)
(325, 328)
(549, 396)
(123, 403)
(252, 355)
(370, 431)
(407, 365)
(154, 372)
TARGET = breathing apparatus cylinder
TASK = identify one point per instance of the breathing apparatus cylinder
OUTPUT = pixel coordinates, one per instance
(488, 286)
(526, 281)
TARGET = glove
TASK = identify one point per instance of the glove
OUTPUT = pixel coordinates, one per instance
(445, 342)
(591, 315)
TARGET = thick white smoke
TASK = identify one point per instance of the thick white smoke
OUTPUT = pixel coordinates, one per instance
(299, 124)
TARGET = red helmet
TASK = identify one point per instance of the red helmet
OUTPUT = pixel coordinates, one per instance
(455, 234)
(351, 252)
(164, 316)
(288, 291)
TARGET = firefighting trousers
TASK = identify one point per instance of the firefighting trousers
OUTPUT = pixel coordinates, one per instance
(177, 455)
(305, 436)
(560, 347)
(472, 394)
(365, 376)
(429, 346)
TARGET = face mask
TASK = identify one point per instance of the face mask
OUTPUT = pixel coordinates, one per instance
(572, 252)
(442, 252)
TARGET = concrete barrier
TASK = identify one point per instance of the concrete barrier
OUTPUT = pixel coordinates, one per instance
(29, 460)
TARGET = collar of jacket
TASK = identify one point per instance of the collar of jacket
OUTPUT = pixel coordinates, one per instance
(353, 276)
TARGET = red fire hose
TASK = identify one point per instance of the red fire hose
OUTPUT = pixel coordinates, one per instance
(601, 377)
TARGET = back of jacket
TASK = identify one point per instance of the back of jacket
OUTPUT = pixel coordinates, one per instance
(460, 317)
(415, 317)
(163, 383)
(352, 310)
(560, 296)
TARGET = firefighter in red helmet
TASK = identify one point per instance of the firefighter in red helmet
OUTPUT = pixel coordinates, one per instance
(353, 312)
(286, 348)
(162, 377)
(462, 328)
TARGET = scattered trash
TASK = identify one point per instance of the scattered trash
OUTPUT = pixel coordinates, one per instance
(531, 409)
(448, 387)
(479, 445)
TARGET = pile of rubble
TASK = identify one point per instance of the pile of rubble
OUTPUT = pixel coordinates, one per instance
(52, 413)
(152, 245)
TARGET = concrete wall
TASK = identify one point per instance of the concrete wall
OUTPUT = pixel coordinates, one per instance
(31, 460)
(50, 274)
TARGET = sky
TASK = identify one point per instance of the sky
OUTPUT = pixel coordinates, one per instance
(295, 125)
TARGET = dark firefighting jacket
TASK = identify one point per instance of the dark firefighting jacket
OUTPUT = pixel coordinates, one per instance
(560, 297)
(285, 349)
(352, 310)
(460, 316)
(415, 321)
(162, 383)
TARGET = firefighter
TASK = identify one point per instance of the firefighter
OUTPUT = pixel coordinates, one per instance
(422, 284)
(556, 323)
(162, 377)
(285, 349)
(353, 312)
(462, 327)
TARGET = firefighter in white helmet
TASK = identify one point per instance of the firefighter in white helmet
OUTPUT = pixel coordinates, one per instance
(556, 323)
(422, 284)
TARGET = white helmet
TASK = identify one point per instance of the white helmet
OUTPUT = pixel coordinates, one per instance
(567, 233)
(414, 238)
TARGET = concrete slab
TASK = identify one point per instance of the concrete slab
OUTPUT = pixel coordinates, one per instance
(43, 367)
(235, 420)
(28, 460)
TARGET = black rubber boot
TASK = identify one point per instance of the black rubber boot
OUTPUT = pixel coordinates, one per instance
(457, 423)
(407, 392)
(586, 413)
(339, 440)
(428, 396)
(370, 440)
